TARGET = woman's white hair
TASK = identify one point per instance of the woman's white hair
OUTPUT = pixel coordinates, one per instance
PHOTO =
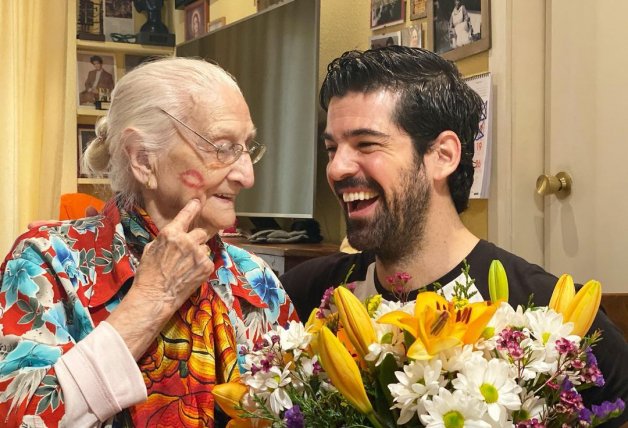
(177, 85)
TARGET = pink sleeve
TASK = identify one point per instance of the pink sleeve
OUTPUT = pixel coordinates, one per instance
(99, 378)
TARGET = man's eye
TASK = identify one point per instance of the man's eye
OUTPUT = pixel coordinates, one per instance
(366, 145)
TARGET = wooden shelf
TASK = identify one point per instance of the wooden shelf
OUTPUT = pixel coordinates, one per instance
(89, 111)
(125, 48)
(92, 180)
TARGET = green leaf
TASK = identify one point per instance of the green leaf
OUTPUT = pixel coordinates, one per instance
(43, 404)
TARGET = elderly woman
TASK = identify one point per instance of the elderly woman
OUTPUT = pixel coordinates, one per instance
(132, 316)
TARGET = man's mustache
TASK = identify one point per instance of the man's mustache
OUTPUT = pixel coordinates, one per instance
(353, 182)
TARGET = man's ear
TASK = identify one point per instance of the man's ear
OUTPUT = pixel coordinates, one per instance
(140, 161)
(445, 155)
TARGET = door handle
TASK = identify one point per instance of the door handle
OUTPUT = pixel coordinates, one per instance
(559, 184)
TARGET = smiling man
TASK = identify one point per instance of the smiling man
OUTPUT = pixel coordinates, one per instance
(401, 125)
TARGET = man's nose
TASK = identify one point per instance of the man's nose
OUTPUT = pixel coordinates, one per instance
(242, 171)
(343, 164)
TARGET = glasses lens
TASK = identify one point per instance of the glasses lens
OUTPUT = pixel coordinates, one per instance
(256, 151)
(229, 153)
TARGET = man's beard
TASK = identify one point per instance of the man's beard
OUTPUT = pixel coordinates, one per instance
(396, 229)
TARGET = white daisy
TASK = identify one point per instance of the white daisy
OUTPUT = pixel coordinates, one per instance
(454, 359)
(418, 380)
(295, 337)
(457, 410)
(490, 382)
(279, 399)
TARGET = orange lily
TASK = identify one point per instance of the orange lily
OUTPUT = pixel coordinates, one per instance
(355, 320)
(438, 325)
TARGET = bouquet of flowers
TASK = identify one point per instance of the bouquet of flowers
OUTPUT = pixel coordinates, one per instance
(434, 362)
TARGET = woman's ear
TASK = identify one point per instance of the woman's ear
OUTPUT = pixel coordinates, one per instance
(446, 152)
(141, 162)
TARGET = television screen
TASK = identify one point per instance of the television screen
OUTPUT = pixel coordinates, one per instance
(274, 57)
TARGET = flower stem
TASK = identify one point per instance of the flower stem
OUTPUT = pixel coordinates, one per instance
(373, 419)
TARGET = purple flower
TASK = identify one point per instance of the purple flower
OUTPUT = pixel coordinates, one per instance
(591, 360)
(530, 423)
(609, 408)
(509, 340)
(570, 402)
(586, 415)
(326, 300)
(294, 418)
(565, 347)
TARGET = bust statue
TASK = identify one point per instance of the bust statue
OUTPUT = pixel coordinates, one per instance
(154, 31)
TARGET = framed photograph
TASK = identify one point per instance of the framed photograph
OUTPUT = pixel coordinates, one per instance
(85, 134)
(118, 20)
(412, 36)
(418, 9)
(96, 77)
(216, 24)
(387, 12)
(388, 39)
(196, 17)
(458, 28)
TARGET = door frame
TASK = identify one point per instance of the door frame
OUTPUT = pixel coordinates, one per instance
(517, 62)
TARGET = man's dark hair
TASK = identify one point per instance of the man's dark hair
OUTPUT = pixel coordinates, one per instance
(432, 98)
(95, 58)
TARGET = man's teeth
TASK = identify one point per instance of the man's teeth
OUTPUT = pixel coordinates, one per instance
(358, 196)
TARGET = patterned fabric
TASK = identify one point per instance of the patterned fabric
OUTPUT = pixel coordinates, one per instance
(60, 281)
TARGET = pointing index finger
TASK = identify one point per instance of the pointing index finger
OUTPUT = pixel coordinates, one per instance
(187, 214)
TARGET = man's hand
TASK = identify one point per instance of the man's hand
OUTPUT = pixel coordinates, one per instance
(89, 212)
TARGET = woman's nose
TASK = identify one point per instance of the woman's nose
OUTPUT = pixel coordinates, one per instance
(242, 171)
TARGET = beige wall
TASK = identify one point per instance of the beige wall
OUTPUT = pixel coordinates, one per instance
(345, 25)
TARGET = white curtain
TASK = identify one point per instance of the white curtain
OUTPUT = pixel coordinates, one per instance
(37, 51)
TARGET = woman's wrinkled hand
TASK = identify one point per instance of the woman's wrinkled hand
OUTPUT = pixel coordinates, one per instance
(175, 263)
(172, 267)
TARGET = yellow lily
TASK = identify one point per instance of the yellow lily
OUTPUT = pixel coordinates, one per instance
(355, 320)
(563, 294)
(497, 282)
(438, 325)
(342, 370)
(228, 395)
(584, 306)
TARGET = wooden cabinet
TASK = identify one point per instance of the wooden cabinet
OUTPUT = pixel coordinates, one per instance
(83, 116)
(283, 257)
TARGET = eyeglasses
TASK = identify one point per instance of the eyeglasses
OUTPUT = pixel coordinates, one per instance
(226, 153)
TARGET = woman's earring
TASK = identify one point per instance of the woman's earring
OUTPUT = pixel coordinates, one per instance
(150, 184)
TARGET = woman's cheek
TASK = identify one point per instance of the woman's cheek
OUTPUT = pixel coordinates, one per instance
(192, 179)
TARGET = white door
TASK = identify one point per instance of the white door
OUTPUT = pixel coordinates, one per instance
(586, 135)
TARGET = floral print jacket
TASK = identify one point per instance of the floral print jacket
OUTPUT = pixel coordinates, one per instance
(61, 280)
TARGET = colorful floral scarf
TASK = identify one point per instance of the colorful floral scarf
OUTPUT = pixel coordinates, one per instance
(195, 350)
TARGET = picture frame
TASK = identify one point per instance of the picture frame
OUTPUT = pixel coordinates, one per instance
(387, 12)
(468, 36)
(418, 9)
(196, 18)
(84, 135)
(412, 36)
(89, 91)
(388, 39)
(216, 24)
(118, 20)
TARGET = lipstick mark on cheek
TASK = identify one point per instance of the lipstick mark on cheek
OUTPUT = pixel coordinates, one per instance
(192, 179)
